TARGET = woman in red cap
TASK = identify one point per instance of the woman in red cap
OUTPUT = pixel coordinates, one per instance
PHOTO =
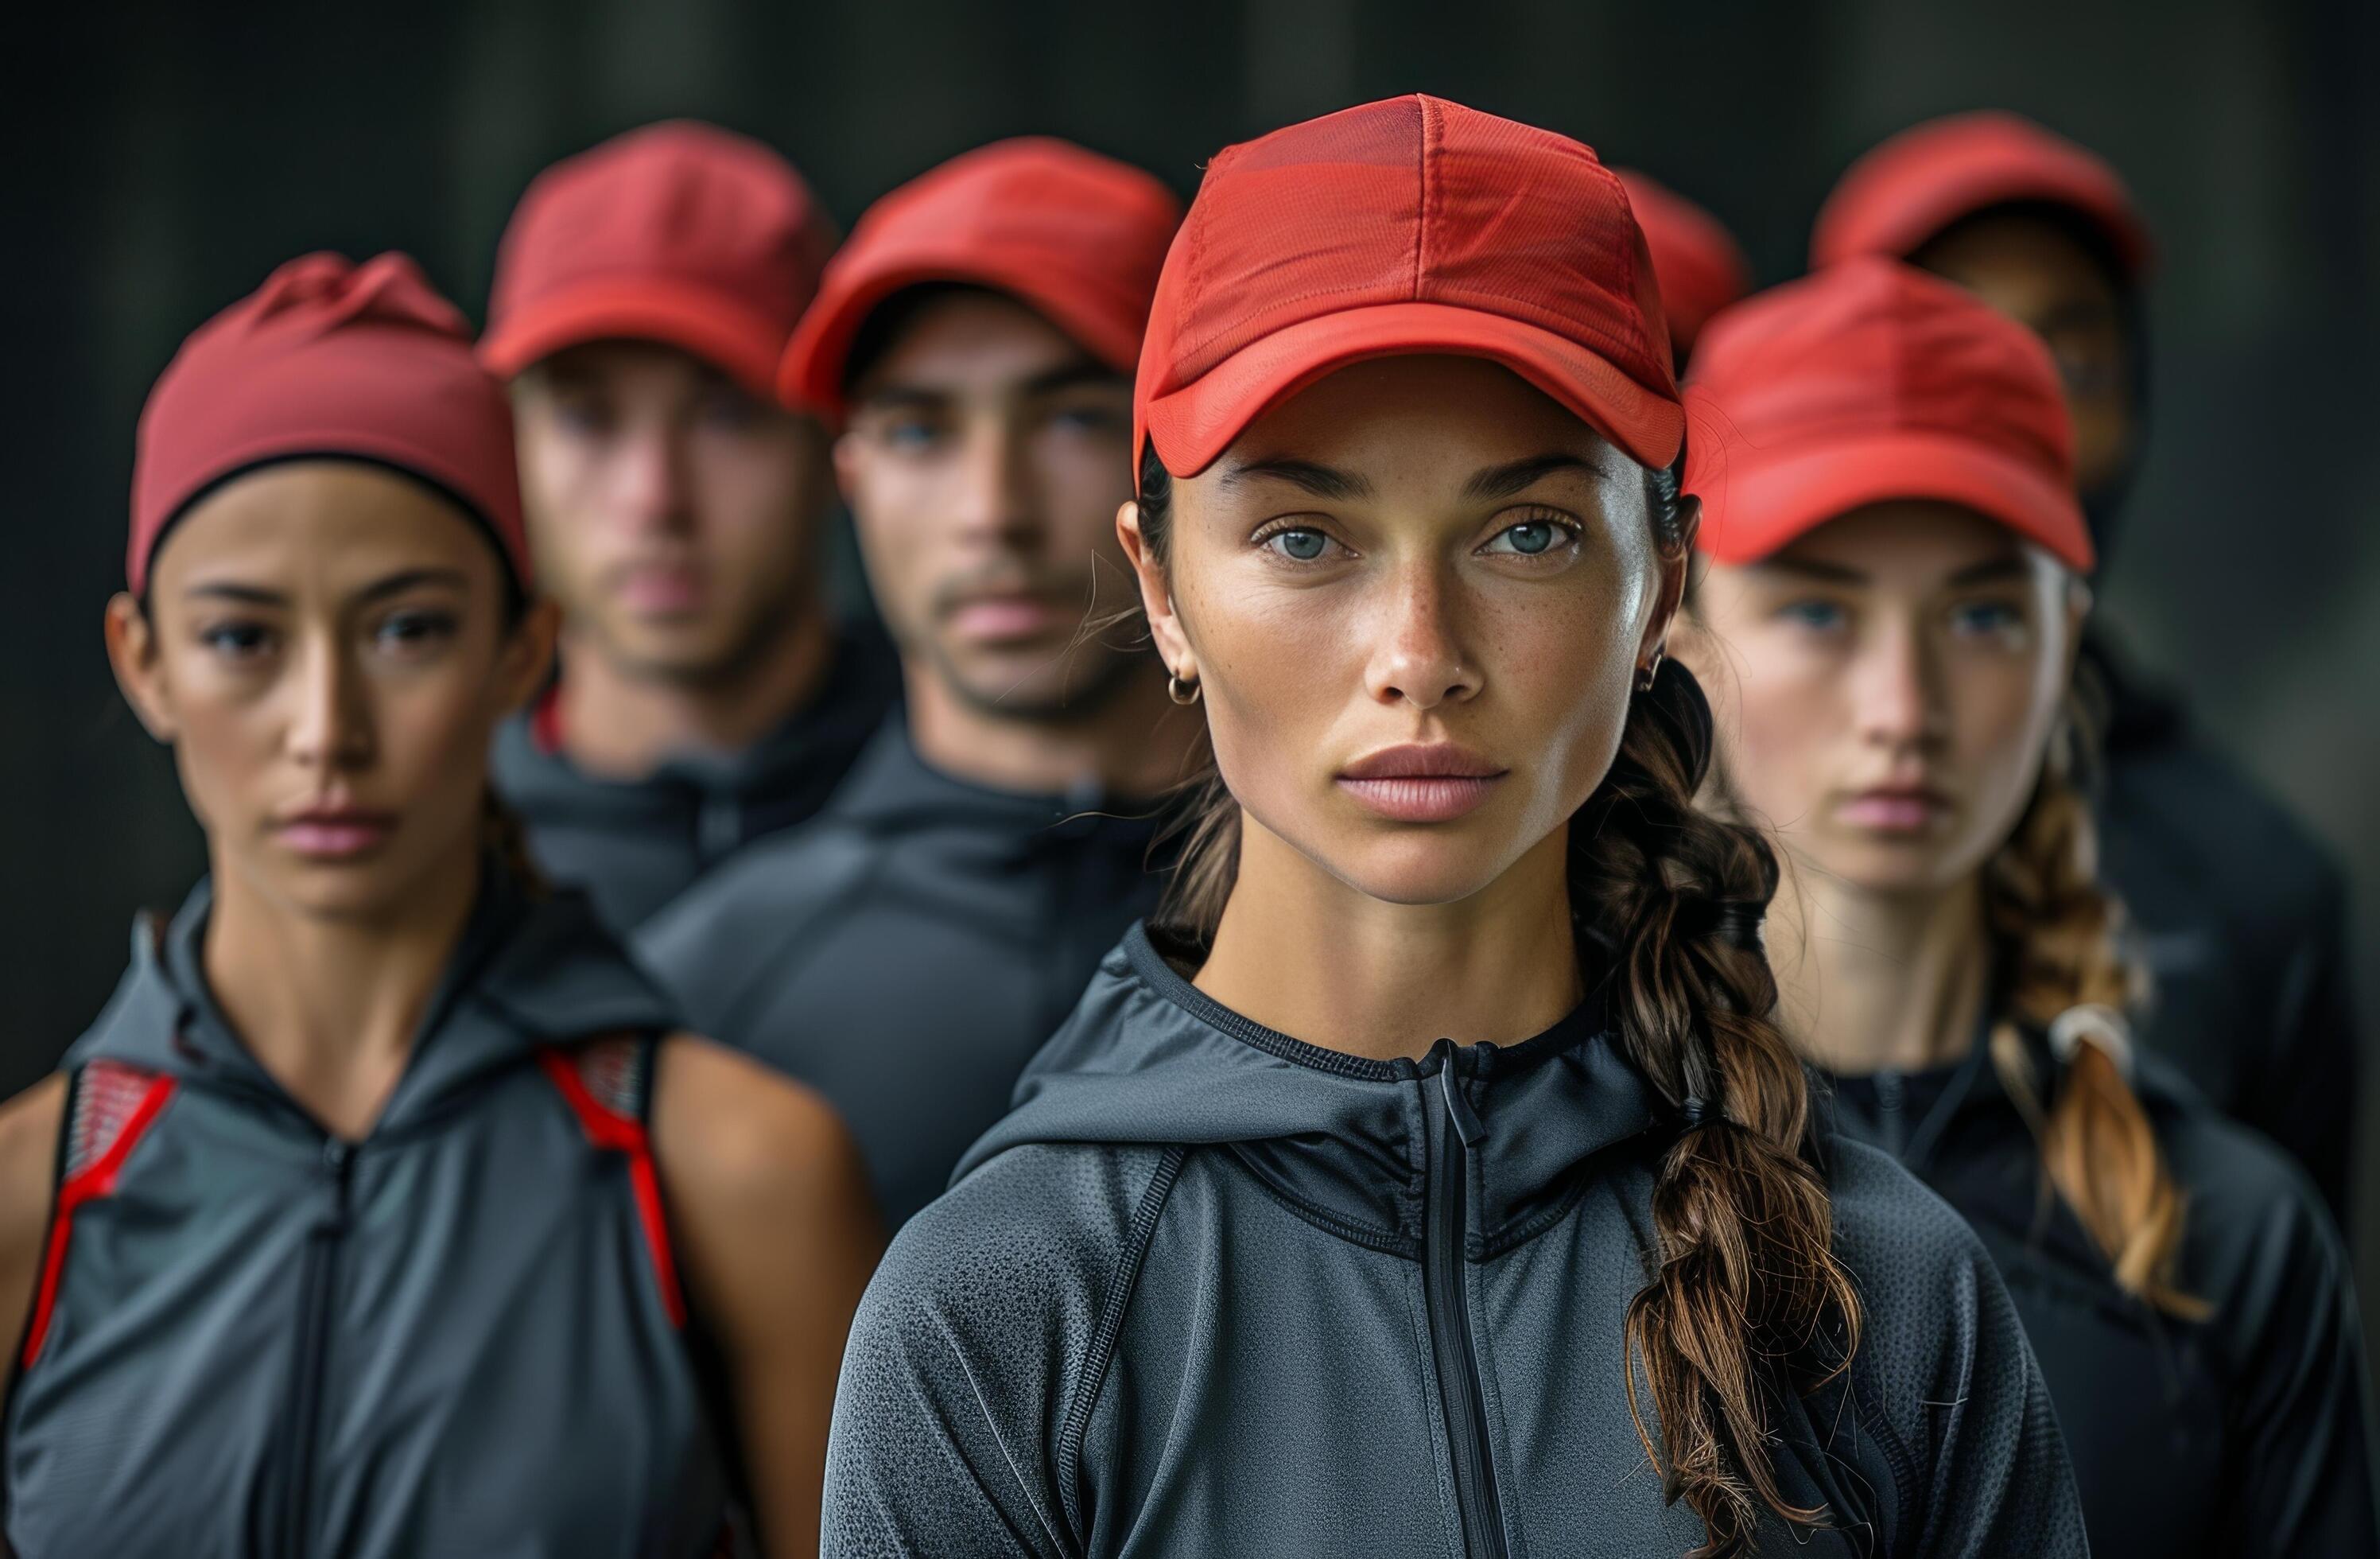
(1888, 615)
(369, 1217)
(1429, 1179)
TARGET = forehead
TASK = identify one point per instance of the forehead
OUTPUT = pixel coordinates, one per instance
(309, 524)
(970, 339)
(621, 368)
(1909, 543)
(1422, 421)
(2019, 263)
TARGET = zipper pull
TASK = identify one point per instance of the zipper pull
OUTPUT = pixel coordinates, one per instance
(1466, 1121)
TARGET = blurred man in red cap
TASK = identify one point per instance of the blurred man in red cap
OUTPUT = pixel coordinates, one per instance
(1696, 263)
(909, 950)
(2243, 912)
(644, 292)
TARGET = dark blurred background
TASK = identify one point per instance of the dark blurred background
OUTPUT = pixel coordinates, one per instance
(161, 158)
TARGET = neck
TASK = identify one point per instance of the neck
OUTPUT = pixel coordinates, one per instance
(1302, 952)
(1134, 743)
(329, 1007)
(622, 724)
(1872, 981)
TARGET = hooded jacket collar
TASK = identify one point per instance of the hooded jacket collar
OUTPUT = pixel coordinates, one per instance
(1149, 1058)
(525, 973)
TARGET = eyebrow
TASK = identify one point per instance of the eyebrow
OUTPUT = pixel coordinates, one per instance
(1832, 573)
(1518, 476)
(1323, 482)
(379, 590)
(1992, 571)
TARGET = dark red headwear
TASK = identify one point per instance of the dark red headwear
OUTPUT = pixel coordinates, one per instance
(332, 358)
(1699, 265)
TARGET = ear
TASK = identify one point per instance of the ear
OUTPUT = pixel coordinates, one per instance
(132, 655)
(1675, 560)
(847, 457)
(2078, 602)
(1155, 596)
(527, 657)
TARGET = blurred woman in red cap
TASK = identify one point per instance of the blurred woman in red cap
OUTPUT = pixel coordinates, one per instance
(1430, 1165)
(381, 1212)
(1888, 618)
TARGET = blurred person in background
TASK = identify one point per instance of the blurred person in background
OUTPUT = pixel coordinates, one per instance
(644, 291)
(1430, 1164)
(1698, 265)
(908, 951)
(2242, 914)
(383, 1212)
(1888, 612)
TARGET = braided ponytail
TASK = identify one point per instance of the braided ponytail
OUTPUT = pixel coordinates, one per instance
(1745, 1272)
(2056, 933)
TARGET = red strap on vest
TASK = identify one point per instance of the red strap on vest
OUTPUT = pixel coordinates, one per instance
(113, 1105)
(619, 1131)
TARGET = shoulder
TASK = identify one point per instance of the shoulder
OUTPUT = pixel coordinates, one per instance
(30, 1125)
(738, 1135)
(771, 893)
(1899, 1239)
(1016, 1263)
(2254, 1230)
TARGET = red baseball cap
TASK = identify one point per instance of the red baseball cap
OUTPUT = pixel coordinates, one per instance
(1408, 226)
(679, 233)
(1076, 235)
(1700, 266)
(1870, 381)
(1909, 189)
(335, 359)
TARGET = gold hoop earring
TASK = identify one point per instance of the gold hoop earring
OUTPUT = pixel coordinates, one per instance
(1174, 686)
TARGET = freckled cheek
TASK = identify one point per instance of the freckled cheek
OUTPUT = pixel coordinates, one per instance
(1279, 670)
(1561, 666)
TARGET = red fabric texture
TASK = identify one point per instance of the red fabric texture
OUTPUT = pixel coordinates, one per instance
(1699, 265)
(616, 1131)
(1871, 381)
(680, 233)
(1076, 235)
(334, 359)
(115, 1106)
(1408, 226)
(1911, 187)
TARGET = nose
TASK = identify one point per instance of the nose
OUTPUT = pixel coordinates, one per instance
(650, 490)
(992, 498)
(330, 726)
(1899, 687)
(1419, 658)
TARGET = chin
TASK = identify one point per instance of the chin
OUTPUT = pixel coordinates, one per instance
(1418, 865)
(1917, 866)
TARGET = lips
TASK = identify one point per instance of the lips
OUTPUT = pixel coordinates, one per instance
(1435, 782)
(659, 588)
(992, 619)
(1894, 808)
(334, 832)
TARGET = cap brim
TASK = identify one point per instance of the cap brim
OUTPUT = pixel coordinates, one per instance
(719, 329)
(1754, 507)
(1196, 423)
(811, 375)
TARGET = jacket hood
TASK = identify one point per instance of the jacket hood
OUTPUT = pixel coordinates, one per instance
(527, 973)
(1148, 1058)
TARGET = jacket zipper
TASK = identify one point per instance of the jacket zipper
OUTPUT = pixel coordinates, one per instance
(1458, 1130)
(317, 1289)
(1888, 1102)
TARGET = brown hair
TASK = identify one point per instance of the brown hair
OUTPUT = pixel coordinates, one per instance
(2057, 941)
(1669, 901)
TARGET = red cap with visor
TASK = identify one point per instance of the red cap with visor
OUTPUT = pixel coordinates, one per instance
(1699, 265)
(1076, 236)
(339, 360)
(1869, 383)
(1410, 226)
(1912, 189)
(679, 233)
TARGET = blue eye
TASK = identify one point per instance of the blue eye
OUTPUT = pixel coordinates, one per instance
(1088, 420)
(1302, 546)
(1818, 616)
(1529, 539)
(910, 434)
(1981, 617)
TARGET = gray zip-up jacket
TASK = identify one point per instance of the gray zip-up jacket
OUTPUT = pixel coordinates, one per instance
(459, 1337)
(1212, 1290)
